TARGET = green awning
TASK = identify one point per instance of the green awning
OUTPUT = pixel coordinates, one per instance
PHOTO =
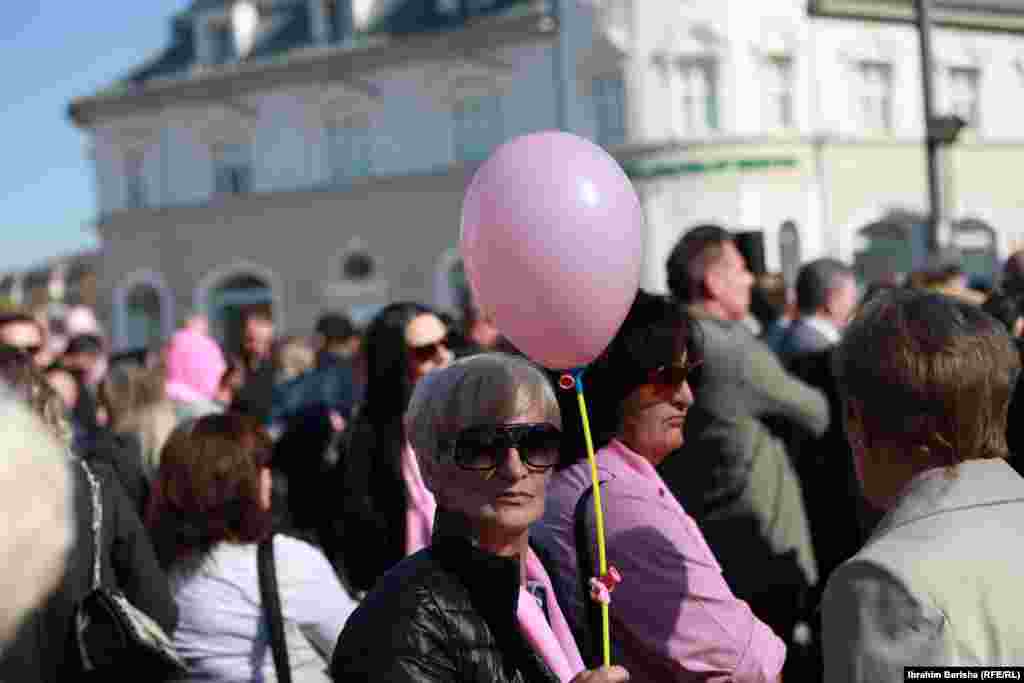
(645, 170)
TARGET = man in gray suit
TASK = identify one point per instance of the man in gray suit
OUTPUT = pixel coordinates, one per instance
(732, 474)
(926, 381)
(826, 296)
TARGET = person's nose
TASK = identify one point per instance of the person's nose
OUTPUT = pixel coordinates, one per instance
(513, 468)
(684, 395)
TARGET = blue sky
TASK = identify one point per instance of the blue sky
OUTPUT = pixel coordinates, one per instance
(55, 50)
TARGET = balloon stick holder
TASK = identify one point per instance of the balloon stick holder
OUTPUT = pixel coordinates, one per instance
(568, 381)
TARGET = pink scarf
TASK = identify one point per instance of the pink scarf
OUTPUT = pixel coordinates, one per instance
(552, 640)
(419, 513)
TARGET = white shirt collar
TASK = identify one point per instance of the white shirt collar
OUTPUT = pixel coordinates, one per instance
(825, 328)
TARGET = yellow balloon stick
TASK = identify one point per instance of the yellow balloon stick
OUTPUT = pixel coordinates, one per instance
(602, 558)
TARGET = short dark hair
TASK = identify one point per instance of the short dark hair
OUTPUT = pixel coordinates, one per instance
(816, 280)
(929, 372)
(1006, 307)
(700, 247)
(207, 489)
(335, 328)
(768, 298)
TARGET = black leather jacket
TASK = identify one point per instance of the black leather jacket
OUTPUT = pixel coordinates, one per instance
(447, 613)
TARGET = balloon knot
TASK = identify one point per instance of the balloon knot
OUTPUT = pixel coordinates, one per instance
(601, 587)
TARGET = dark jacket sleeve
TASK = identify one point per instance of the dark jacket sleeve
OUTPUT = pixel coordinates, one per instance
(776, 392)
(136, 569)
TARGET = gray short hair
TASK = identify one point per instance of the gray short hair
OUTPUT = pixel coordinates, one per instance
(487, 388)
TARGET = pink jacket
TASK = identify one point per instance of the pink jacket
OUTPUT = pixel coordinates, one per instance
(673, 618)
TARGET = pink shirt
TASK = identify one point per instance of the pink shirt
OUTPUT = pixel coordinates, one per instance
(673, 618)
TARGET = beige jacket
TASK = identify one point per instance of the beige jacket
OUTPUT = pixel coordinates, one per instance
(938, 583)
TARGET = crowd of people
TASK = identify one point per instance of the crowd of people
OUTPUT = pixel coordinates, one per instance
(806, 483)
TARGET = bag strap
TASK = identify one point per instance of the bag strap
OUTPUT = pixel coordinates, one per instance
(97, 523)
(270, 598)
(590, 625)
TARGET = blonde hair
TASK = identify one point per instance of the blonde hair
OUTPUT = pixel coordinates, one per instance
(489, 388)
(293, 356)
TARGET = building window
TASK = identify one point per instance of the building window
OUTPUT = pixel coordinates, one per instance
(789, 252)
(963, 88)
(477, 127)
(232, 169)
(222, 43)
(694, 91)
(143, 317)
(777, 81)
(134, 181)
(874, 99)
(608, 97)
(358, 266)
(350, 149)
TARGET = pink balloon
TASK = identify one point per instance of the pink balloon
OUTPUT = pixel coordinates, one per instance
(552, 245)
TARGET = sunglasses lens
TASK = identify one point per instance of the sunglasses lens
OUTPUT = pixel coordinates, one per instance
(478, 449)
(538, 445)
(429, 351)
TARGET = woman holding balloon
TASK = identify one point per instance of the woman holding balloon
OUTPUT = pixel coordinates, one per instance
(673, 617)
(552, 238)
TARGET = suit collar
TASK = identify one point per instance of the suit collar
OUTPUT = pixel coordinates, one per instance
(974, 483)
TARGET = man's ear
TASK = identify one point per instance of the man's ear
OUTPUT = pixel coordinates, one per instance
(711, 283)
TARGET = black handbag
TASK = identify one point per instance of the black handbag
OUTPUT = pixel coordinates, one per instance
(270, 599)
(111, 635)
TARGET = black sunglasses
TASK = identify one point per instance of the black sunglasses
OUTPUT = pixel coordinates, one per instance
(428, 351)
(485, 447)
(671, 377)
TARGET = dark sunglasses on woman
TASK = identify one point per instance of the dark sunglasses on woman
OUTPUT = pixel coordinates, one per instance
(485, 447)
(426, 352)
(671, 377)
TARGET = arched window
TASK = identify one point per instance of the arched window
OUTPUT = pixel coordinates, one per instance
(451, 285)
(789, 252)
(143, 311)
(143, 317)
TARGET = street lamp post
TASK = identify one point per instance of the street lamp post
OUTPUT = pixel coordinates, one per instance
(932, 142)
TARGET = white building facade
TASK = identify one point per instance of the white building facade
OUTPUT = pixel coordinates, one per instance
(312, 154)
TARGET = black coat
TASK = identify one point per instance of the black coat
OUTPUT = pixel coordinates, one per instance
(447, 613)
(128, 562)
(122, 453)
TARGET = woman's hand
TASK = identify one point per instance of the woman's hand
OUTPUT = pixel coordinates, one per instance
(606, 674)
